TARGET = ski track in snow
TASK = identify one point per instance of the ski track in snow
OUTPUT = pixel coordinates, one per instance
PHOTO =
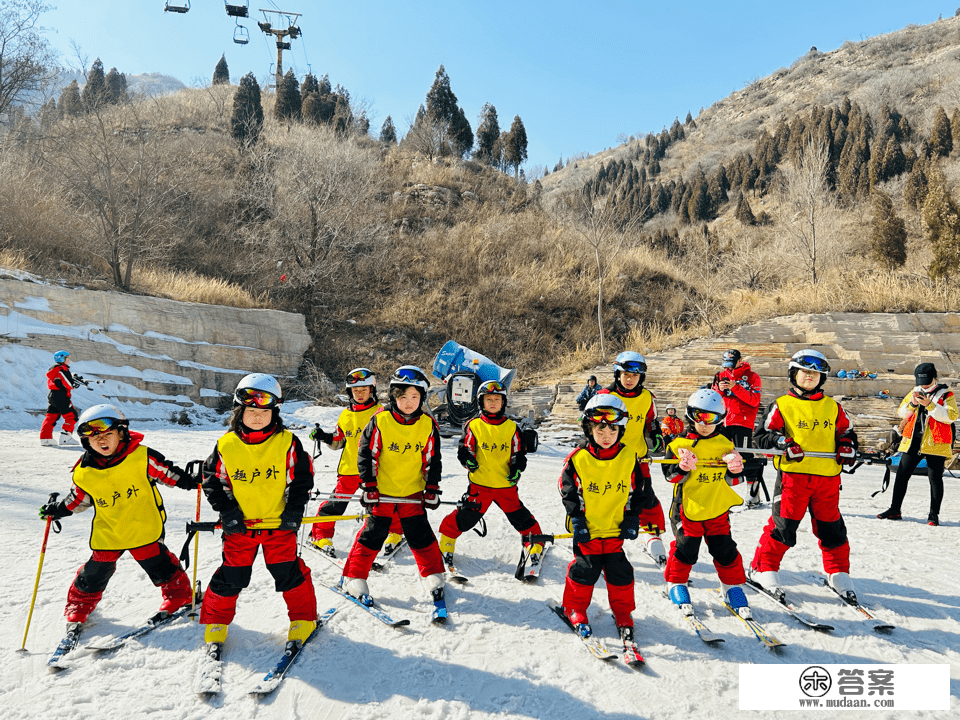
(503, 654)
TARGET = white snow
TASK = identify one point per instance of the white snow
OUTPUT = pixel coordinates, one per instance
(503, 653)
(38, 304)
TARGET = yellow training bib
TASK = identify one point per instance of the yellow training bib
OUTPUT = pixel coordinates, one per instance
(352, 423)
(258, 473)
(813, 424)
(705, 493)
(638, 407)
(400, 467)
(605, 485)
(494, 448)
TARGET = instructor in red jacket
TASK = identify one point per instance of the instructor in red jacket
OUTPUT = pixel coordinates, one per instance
(740, 388)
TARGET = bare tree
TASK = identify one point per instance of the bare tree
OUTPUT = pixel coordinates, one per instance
(26, 60)
(808, 214)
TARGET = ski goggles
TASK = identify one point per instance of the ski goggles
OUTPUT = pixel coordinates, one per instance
(634, 366)
(812, 362)
(359, 376)
(251, 397)
(409, 375)
(607, 415)
(492, 386)
(706, 418)
(98, 426)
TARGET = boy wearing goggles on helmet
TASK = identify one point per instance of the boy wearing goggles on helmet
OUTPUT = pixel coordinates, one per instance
(399, 457)
(805, 419)
(606, 496)
(642, 433)
(118, 477)
(492, 451)
(258, 471)
(702, 498)
(60, 382)
(361, 385)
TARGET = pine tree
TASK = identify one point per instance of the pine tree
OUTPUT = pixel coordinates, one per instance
(888, 233)
(115, 87)
(94, 92)
(388, 133)
(941, 138)
(515, 151)
(309, 85)
(894, 161)
(461, 134)
(743, 213)
(915, 189)
(221, 73)
(441, 102)
(70, 103)
(289, 103)
(246, 123)
(487, 133)
(941, 218)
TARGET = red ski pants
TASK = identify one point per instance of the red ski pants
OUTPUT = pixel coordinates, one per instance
(416, 528)
(591, 559)
(50, 420)
(507, 499)
(685, 549)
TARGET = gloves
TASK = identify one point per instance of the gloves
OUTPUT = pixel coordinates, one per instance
(734, 462)
(791, 450)
(290, 519)
(431, 498)
(520, 462)
(322, 435)
(688, 461)
(846, 452)
(55, 510)
(630, 527)
(466, 459)
(514, 477)
(656, 442)
(580, 532)
(232, 521)
(370, 497)
(652, 520)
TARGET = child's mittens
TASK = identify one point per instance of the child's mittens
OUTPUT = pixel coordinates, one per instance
(688, 461)
(734, 462)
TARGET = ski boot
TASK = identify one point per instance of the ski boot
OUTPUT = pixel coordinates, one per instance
(680, 595)
(736, 599)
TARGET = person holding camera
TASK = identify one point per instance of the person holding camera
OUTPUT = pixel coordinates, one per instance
(928, 412)
(740, 388)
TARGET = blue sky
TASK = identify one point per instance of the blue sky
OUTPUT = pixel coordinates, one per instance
(578, 74)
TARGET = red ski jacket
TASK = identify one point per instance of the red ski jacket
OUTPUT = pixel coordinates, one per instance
(743, 398)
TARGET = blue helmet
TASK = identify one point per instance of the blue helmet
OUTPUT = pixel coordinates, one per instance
(60, 355)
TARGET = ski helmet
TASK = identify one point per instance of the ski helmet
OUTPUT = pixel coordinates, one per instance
(410, 375)
(629, 361)
(361, 377)
(706, 407)
(99, 419)
(606, 409)
(492, 387)
(258, 390)
(811, 360)
(60, 355)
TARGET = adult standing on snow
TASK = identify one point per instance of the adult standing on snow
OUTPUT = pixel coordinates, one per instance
(60, 382)
(740, 388)
(928, 413)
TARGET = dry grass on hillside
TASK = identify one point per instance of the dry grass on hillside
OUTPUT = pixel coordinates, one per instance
(190, 287)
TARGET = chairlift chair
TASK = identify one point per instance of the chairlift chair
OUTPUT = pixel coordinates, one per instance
(172, 7)
(240, 35)
(236, 9)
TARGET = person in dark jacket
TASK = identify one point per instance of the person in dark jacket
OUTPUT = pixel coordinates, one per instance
(589, 390)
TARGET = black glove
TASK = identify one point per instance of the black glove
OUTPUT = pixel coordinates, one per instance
(55, 510)
(369, 497)
(431, 498)
(520, 462)
(580, 532)
(514, 477)
(290, 519)
(232, 521)
(791, 450)
(322, 435)
(656, 442)
(630, 527)
(466, 459)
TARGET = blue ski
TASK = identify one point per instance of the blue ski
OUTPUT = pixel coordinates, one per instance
(271, 681)
(377, 612)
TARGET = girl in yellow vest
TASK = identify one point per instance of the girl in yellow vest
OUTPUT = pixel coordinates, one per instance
(805, 419)
(362, 389)
(117, 476)
(928, 411)
(491, 450)
(400, 458)
(605, 492)
(702, 498)
(643, 434)
(258, 471)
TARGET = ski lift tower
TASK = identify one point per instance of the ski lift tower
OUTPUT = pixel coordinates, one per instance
(292, 31)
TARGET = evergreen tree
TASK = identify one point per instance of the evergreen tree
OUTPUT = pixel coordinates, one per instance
(115, 87)
(515, 151)
(70, 103)
(487, 133)
(888, 233)
(309, 85)
(906, 131)
(743, 213)
(289, 103)
(955, 124)
(894, 161)
(461, 134)
(94, 92)
(441, 102)
(246, 124)
(699, 203)
(221, 73)
(388, 133)
(558, 166)
(941, 218)
(941, 138)
(915, 189)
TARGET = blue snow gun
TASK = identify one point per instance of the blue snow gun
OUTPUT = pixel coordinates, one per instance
(462, 370)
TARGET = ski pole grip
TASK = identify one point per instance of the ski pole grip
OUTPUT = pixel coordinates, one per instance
(206, 526)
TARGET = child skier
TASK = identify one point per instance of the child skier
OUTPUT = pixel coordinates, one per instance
(701, 500)
(399, 458)
(805, 419)
(60, 382)
(361, 386)
(606, 496)
(492, 451)
(118, 476)
(671, 426)
(258, 470)
(642, 434)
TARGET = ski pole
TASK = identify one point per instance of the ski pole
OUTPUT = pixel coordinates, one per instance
(36, 585)
(196, 559)
(258, 524)
(545, 538)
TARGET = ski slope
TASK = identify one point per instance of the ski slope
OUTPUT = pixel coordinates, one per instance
(503, 654)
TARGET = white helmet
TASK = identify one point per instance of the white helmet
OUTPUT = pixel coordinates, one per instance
(707, 407)
(606, 408)
(631, 362)
(491, 387)
(99, 419)
(410, 375)
(258, 390)
(809, 359)
(361, 377)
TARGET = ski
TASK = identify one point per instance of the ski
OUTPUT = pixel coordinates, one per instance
(158, 620)
(271, 681)
(654, 560)
(632, 656)
(534, 566)
(594, 645)
(876, 623)
(694, 622)
(374, 610)
(207, 682)
(67, 645)
(454, 574)
(756, 628)
(790, 609)
(387, 557)
(339, 562)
